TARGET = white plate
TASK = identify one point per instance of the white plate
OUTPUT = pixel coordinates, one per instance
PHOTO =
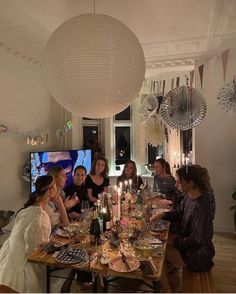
(62, 233)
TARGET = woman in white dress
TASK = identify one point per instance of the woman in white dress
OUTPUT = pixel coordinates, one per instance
(31, 228)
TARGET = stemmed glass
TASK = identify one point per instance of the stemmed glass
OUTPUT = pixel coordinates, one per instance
(84, 206)
(134, 188)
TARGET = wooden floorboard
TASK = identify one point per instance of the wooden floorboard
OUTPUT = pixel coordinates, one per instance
(224, 271)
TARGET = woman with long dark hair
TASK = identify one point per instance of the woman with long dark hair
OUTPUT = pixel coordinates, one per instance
(97, 181)
(163, 179)
(130, 173)
(31, 228)
(193, 247)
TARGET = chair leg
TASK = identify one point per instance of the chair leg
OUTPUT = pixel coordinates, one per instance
(67, 284)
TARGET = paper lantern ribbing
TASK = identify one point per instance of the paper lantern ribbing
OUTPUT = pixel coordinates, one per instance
(183, 108)
(93, 65)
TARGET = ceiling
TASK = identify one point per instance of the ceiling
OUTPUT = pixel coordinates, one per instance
(173, 33)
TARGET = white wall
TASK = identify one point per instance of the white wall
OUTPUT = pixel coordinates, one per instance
(25, 106)
(216, 139)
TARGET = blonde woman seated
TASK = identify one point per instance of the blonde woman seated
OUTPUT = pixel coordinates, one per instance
(56, 208)
(32, 227)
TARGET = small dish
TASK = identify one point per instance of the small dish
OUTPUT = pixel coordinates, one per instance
(104, 259)
(147, 244)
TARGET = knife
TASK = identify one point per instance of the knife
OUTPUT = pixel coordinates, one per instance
(123, 257)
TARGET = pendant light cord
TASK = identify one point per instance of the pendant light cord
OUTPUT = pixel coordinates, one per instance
(94, 6)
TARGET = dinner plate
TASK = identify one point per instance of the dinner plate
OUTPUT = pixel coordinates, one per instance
(62, 233)
(117, 265)
(72, 256)
(160, 226)
(160, 209)
(147, 244)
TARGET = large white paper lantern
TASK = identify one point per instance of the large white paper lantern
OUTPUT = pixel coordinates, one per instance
(93, 65)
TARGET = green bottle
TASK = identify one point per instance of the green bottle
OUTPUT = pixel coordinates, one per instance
(95, 229)
(139, 204)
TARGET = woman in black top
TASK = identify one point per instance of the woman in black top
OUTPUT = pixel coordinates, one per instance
(130, 173)
(77, 189)
(97, 181)
(194, 244)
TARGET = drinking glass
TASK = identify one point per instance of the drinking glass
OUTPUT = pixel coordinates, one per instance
(84, 206)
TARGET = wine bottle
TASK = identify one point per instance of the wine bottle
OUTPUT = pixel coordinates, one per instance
(100, 215)
(107, 216)
(139, 204)
(95, 229)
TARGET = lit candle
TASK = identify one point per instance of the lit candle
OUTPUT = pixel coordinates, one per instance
(121, 185)
(119, 191)
(178, 159)
(191, 157)
(175, 158)
(187, 160)
(130, 183)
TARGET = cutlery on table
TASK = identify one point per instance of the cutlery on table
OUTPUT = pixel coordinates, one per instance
(123, 257)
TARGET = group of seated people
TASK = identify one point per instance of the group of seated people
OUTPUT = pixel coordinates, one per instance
(191, 217)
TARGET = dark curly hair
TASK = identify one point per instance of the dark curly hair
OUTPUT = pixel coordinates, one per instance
(196, 175)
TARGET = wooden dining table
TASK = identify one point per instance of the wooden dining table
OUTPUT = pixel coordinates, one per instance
(95, 266)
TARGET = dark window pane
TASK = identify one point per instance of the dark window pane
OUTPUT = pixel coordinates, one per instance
(86, 118)
(186, 137)
(124, 115)
(122, 143)
(91, 140)
(153, 152)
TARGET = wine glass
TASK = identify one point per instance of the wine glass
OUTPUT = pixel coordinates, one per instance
(84, 206)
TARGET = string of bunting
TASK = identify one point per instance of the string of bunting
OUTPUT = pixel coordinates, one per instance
(30, 137)
(227, 94)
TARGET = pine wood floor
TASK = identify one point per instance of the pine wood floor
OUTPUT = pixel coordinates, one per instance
(224, 271)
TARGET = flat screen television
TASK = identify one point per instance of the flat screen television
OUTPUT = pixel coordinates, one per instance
(68, 159)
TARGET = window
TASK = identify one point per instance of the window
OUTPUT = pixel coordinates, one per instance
(92, 136)
(186, 141)
(122, 144)
(123, 115)
(154, 152)
(122, 123)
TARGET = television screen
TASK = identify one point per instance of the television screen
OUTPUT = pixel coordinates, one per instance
(68, 159)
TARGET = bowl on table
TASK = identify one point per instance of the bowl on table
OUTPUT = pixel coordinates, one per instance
(5, 218)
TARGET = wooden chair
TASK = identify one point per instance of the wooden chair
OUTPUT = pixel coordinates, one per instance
(197, 282)
(6, 289)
